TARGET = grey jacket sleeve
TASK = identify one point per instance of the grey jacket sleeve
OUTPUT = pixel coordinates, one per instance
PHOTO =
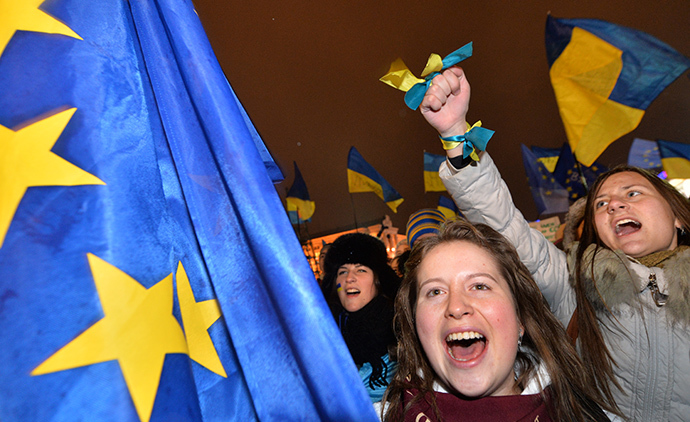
(483, 197)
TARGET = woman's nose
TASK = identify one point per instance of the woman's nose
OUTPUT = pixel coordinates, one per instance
(458, 305)
(616, 204)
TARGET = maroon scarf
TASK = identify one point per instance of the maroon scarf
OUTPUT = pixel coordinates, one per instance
(519, 408)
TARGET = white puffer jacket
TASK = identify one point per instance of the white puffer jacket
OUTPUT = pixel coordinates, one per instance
(650, 344)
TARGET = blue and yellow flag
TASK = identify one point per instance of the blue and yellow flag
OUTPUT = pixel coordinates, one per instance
(147, 269)
(675, 158)
(448, 208)
(575, 178)
(547, 156)
(645, 154)
(432, 182)
(604, 77)
(299, 206)
(549, 196)
(362, 177)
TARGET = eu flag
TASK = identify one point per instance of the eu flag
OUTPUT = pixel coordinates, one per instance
(147, 269)
(575, 178)
(675, 158)
(645, 154)
(432, 181)
(547, 156)
(299, 206)
(604, 77)
(549, 196)
(362, 177)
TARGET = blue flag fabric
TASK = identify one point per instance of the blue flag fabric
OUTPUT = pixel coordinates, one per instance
(575, 178)
(300, 207)
(147, 270)
(644, 154)
(604, 77)
(362, 177)
(546, 156)
(675, 158)
(432, 181)
(549, 196)
(448, 208)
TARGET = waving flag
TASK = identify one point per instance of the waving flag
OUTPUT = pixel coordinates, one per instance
(604, 77)
(432, 182)
(675, 157)
(300, 207)
(547, 156)
(448, 208)
(147, 271)
(362, 177)
(549, 196)
(573, 177)
(644, 154)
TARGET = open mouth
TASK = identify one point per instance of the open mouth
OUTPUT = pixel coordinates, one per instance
(627, 226)
(352, 292)
(465, 346)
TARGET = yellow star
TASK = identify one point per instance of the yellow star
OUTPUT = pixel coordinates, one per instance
(24, 15)
(26, 160)
(138, 330)
(197, 317)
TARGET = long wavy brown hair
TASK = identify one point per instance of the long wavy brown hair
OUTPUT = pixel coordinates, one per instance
(593, 350)
(545, 341)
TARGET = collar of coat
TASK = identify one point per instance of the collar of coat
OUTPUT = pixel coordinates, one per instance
(612, 282)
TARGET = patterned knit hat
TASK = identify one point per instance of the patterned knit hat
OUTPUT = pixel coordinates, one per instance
(424, 221)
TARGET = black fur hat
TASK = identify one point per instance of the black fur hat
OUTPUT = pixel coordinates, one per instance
(359, 248)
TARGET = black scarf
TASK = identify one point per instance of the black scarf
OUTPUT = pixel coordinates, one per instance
(368, 333)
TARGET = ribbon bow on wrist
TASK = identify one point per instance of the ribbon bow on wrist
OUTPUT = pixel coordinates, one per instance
(400, 77)
(475, 139)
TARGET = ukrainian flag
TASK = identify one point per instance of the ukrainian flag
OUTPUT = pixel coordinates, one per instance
(448, 207)
(362, 177)
(604, 77)
(549, 196)
(675, 158)
(299, 206)
(432, 182)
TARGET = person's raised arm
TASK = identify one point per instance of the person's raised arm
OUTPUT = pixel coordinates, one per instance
(446, 103)
(483, 197)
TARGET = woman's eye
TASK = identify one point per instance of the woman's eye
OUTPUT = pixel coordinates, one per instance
(481, 287)
(600, 204)
(434, 292)
(341, 273)
(633, 193)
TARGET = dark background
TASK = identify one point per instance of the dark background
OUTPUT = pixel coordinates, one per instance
(307, 73)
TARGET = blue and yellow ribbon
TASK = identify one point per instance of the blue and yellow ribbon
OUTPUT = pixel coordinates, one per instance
(475, 139)
(400, 77)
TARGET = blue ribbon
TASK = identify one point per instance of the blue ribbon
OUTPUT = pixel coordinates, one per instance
(415, 95)
(477, 137)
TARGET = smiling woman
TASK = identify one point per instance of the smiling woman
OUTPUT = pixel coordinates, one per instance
(477, 341)
(360, 287)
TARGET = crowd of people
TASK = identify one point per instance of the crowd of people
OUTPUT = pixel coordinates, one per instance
(484, 319)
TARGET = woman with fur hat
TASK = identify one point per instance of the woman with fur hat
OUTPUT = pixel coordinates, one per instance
(625, 285)
(360, 288)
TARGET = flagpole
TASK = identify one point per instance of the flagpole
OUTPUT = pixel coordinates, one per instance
(354, 213)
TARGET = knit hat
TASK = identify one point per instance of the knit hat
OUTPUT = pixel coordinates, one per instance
(424, 221)
(359, 248)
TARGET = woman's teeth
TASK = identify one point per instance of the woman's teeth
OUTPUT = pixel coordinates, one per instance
(467, 335)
